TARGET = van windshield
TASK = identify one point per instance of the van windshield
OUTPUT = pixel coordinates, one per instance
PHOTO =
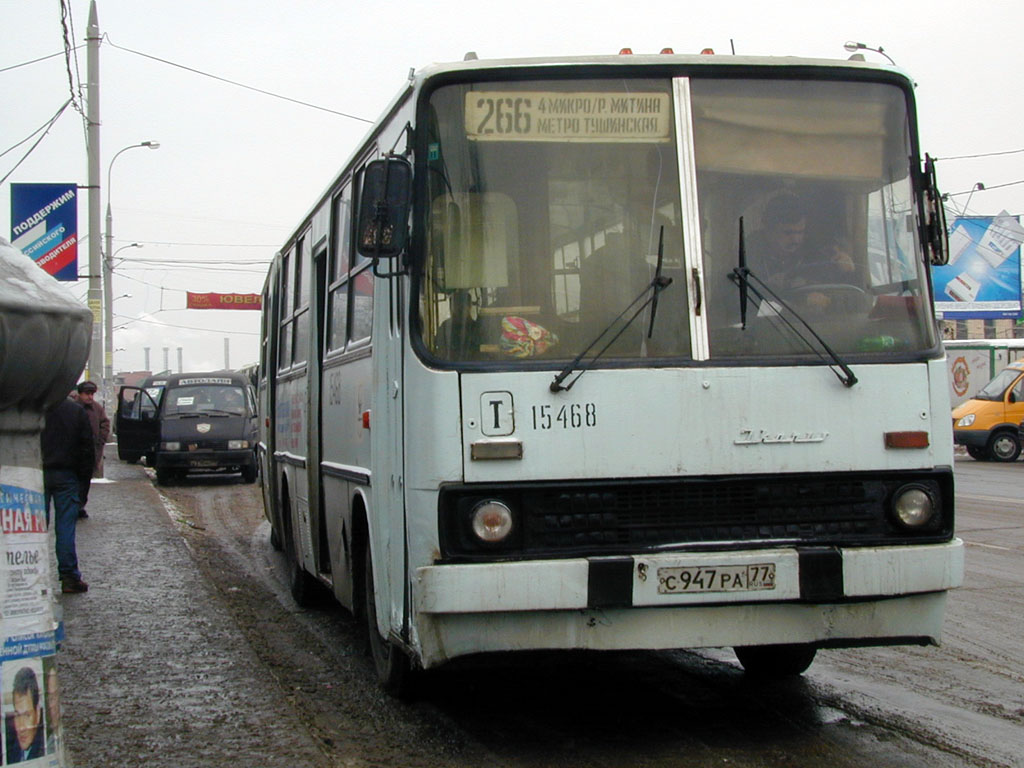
(204, 398)
(994, 389)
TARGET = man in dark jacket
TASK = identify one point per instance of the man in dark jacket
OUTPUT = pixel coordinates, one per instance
(68, 458)
(100, 432)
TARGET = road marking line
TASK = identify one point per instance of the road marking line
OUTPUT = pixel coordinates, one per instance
(988, 546)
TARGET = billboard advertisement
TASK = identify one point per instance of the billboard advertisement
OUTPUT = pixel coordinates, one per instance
(982, 278)
(44, 226)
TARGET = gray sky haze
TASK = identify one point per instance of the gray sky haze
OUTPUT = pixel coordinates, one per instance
(237, 169)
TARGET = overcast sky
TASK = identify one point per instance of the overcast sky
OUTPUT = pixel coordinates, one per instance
(237, 169)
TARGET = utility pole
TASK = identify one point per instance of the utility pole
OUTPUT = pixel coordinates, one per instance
(227, 354)
(92, 39)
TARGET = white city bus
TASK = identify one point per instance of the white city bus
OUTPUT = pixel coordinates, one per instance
(626, 352)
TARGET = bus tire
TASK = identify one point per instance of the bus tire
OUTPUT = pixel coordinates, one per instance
(301, 585)
(775, 661)
(1004, 446)
(394, 672)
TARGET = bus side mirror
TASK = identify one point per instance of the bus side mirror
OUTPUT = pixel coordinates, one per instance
(384, 208)
(935, 217)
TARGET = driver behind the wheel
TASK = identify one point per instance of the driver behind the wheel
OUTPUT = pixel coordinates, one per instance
(780, 256)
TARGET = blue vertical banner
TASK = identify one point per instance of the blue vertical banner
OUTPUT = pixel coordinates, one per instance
(44, 226)
(982, 278)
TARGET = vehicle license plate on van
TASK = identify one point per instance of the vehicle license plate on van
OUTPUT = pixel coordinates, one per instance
(716, 578)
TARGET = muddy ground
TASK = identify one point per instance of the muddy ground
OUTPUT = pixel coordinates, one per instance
(188, 650)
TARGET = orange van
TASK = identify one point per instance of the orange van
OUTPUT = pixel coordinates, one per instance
(987, 423)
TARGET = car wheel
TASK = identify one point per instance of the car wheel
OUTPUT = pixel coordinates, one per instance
(1004, 446)
(249, 473)
(978, 454)
(164, 476)
(775, 661)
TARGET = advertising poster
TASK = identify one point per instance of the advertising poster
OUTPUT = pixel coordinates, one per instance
(223, 300)
(29, 695)
(982, 278)
(44, 226)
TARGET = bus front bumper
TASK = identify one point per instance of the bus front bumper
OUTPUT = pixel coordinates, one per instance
(825, 596)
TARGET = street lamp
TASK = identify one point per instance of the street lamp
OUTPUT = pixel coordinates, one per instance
(978, 187)
(853, 47)
(108, 278)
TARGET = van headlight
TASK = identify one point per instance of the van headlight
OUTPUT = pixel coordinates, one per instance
(174, 446)
(966, 421)
(913, 506)
(491, 521)
(237, 445)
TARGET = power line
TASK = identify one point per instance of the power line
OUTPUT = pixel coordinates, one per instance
(983, 154)
(212, 245)
(185, 327)
(235, 82)
(35, 61)
(48, 126)
(66, 22)
(986, 189)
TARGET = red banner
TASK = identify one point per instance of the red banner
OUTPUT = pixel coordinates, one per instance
(223, 301)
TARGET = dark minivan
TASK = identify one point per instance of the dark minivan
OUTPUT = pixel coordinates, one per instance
(189, 422)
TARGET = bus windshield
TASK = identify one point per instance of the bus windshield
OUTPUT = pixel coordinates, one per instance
(551, 204)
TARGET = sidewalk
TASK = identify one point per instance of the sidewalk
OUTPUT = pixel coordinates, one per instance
(153, 671)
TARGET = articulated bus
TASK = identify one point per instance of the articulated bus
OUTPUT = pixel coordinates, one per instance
(625, 352)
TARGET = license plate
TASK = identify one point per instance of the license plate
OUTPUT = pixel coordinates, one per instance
(200, 464)
(716, 578)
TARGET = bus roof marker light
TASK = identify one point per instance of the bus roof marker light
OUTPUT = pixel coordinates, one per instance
(707, 52)
(667, 50)
(625, 52)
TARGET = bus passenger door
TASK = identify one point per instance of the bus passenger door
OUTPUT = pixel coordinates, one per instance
(387, 519)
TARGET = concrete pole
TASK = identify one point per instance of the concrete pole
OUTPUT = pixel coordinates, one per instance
(167, 359)
(92, 38)
(227, 354)
(180, 369)
(146, 366)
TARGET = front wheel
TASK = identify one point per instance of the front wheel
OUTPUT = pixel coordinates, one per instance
(978, 454)
(249, 473)
(1004, 446)
(775, 661)
(392, 666)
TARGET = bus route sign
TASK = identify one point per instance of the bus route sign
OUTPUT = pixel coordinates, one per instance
(560, 116)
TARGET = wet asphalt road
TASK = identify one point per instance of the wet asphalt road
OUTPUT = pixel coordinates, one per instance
(188, 651)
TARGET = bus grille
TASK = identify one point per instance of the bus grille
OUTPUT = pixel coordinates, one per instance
(632, 516)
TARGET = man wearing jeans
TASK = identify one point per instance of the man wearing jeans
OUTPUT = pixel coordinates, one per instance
(68, 457)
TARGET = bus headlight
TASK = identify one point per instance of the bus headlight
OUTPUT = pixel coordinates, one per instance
(492, 521)
(913, 507)
(170, 446)
(966, 421)
(237, 445)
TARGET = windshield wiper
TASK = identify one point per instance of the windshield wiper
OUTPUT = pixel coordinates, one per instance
(742, 276)
(656, 286)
